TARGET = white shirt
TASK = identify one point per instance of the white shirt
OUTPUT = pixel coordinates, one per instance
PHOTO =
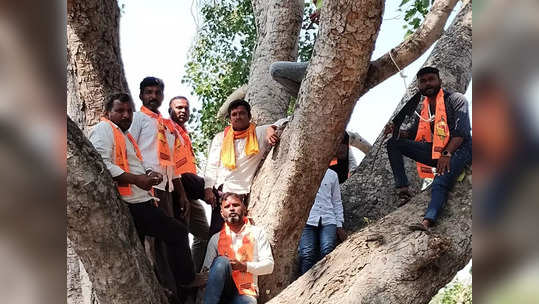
(102, 137)
(327, 204)
(262, 258)
(144, 131)
(237, 180)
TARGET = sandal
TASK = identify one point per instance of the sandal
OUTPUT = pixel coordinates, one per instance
(403, 198)
(417, 227)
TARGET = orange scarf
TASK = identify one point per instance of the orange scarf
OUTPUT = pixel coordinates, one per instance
(228, 154)
(163, 151)
(441, 132)
(120, 158)
(244, 281)
(187, 162)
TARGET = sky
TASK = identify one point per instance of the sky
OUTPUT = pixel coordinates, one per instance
(156, 36)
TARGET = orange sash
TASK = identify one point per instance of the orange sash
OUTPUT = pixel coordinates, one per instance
(163, 151)
(243, 280)
(228, 154)
(120, 158)
(441, 132)
(187, 162)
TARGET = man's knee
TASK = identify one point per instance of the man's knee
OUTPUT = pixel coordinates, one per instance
(220, 264)
(307, 252)
(276, 69)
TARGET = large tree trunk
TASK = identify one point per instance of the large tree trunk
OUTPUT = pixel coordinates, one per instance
(102, 231)
(284, 189)
(386, 262)
(94, 64)
(278, 24)
(369, 193)
(94, 70)
(282, 193)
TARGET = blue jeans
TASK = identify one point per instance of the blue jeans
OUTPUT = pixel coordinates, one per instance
(316, 243)
(221, 288)
(422, 152)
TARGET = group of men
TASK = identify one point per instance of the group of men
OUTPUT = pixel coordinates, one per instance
(152, 162)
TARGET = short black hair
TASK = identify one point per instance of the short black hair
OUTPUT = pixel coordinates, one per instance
(151, 81)
(428, 70)
(177, 97)
(240, 197)
(122, 97)
(238, 103)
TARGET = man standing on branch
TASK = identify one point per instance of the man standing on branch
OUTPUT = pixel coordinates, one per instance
(236, 256)
(198, 224)
(160, 147)
(234, 157)
(124, 161)
(441, 143)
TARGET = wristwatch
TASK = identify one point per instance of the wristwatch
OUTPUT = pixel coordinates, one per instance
(446, 153)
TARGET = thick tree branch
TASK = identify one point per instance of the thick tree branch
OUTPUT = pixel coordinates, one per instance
(413, 46)
(388, 263)
(283, 192)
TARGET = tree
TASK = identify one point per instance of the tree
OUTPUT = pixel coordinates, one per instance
(324, 107)
(220, 59)
(94, 68)
(283, 192)
(99, 228)
(102, 231)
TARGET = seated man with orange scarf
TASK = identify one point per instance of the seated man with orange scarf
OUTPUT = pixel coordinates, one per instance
(234, 157)
(236, 256)
(442, 146)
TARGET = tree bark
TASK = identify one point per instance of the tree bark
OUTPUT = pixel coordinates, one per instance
(278, 24)
(385, 262)
(102, 231)
(388, 263)
(284, 189)
(369, 193)
(413, 46)
(94, 64)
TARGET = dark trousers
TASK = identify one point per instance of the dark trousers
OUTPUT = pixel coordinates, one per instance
(315, 243)
(173, 262)
(422, 152)
(221, 287)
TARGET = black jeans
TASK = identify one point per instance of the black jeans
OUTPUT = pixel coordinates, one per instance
(422, 152)
(152, 221)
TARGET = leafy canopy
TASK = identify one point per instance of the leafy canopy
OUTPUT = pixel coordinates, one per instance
(221, 56)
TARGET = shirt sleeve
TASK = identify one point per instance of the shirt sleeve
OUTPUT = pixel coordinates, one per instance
(212, 166)
(136, 130)
(279, 123)
(412, 130)
(102, 139)
(461, 127)
(211, 251)
(336, 201)
(265, 263)
(352, 163)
